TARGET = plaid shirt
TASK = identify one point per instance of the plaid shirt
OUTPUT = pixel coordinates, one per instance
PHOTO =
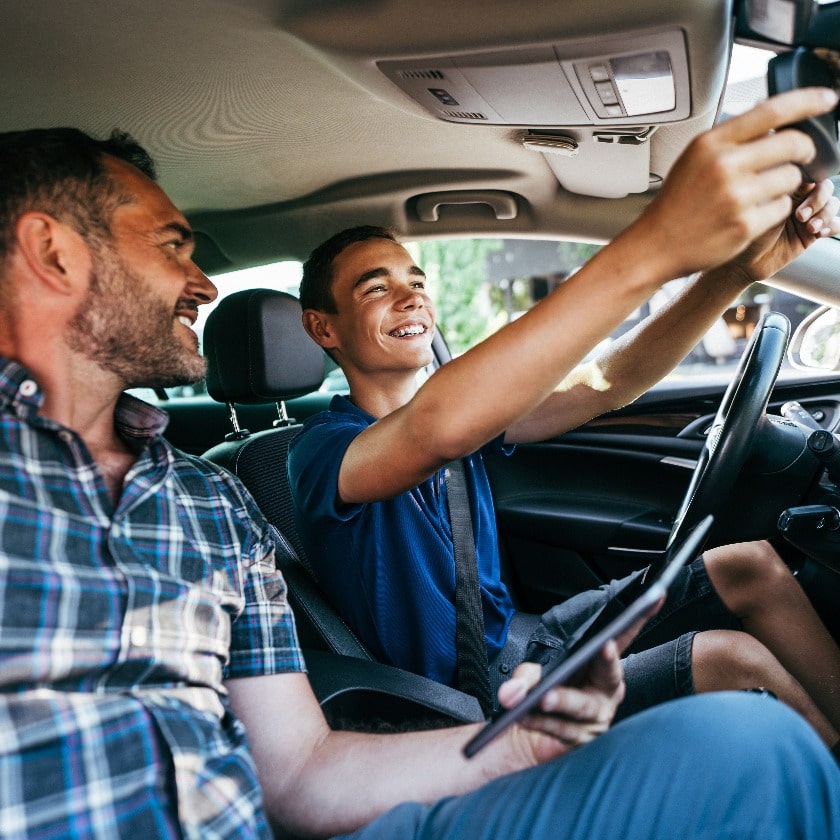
(117, 629)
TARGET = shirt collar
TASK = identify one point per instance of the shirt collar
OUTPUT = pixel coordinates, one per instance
(133, 418)
(343, 403)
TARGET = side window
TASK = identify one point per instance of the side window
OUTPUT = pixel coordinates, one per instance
(478, 285)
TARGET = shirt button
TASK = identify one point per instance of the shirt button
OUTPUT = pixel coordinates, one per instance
(65, 436)
(28, 388)
(116, 531)
(139, 636)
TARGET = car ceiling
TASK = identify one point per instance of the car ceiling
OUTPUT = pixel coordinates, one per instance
(273, 123)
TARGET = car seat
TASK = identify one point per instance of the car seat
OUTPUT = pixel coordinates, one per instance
(258, 352)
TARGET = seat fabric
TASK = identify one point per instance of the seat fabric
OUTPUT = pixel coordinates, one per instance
(258, 352)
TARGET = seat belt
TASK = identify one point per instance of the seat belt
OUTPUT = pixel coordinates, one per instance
(470, 643)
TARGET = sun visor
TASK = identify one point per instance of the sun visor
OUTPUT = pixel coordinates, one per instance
(608, 82)
(606, 164)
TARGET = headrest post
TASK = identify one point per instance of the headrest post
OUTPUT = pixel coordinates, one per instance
(283, 418)
(237, 433)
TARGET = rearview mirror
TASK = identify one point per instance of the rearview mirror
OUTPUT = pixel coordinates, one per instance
(785, 21)
(816, 342)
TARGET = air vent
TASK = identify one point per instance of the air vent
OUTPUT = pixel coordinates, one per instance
(465, 115)
(421, 74)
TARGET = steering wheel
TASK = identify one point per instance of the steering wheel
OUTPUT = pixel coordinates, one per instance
(736, 423)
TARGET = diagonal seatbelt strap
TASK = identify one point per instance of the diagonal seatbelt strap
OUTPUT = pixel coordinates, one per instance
(470, 644)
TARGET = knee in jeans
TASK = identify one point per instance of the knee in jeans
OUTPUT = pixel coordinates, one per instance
(729, 659)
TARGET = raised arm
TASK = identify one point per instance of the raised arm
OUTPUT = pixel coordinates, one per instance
(747, 171)
(643, 355)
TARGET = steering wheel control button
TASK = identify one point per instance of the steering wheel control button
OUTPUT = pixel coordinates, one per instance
(822, 443)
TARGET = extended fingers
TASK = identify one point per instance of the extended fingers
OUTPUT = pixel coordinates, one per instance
(818, 211)
(582, 704)
(570, 733)
(569, 716)
(778, 111)
(604, 675)
(573, 716)
(764, 152)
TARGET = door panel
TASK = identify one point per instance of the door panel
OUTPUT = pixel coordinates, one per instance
(596, 502)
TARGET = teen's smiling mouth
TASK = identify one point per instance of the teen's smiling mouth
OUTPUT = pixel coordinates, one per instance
(408, 330)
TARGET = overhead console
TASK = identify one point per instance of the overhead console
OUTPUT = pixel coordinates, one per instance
(589, 106)
(630, 80)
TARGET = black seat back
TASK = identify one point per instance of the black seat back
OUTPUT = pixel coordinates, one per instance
(258, 352)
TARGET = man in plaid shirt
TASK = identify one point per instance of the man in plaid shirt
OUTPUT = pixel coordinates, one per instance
(144, 628)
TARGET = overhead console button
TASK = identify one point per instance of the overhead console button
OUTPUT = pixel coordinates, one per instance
(599, 73)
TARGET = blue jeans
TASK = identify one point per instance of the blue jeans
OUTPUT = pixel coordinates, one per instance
(727, 766)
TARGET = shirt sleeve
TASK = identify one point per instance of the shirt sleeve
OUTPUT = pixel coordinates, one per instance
(497, 446)
(315, 458)
(263, 635)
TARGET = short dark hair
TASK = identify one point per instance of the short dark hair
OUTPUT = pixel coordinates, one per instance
(316, 283)
(61, 171)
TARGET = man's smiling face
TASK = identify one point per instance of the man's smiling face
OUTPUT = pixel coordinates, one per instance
(144, 291)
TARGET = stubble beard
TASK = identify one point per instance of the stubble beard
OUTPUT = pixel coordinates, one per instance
(129, 332)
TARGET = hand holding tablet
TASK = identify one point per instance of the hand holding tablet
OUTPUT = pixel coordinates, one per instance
(648, 595)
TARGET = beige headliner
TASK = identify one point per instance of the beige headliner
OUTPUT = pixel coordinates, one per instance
(272, 125)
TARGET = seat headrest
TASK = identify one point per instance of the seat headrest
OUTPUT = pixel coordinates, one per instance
(257, 350)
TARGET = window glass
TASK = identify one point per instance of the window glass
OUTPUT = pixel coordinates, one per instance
(478, 285)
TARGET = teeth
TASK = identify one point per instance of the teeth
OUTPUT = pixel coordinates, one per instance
(184, 320)
(404, 331)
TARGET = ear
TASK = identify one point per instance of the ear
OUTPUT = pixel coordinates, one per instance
(55, 254)
(317, 326)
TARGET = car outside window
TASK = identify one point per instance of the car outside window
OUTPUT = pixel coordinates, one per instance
(478, 285)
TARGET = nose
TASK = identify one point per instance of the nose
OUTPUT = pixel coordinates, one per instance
(200, 286)
(412, 299)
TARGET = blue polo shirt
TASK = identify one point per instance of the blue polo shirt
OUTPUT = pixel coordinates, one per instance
(389, 567)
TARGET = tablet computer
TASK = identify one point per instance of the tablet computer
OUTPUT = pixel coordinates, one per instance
(650, 588)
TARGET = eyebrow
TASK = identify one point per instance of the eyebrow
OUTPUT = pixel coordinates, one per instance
(176, 227)
(381, 271)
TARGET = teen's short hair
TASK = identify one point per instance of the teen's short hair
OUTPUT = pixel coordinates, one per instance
(316, 283)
